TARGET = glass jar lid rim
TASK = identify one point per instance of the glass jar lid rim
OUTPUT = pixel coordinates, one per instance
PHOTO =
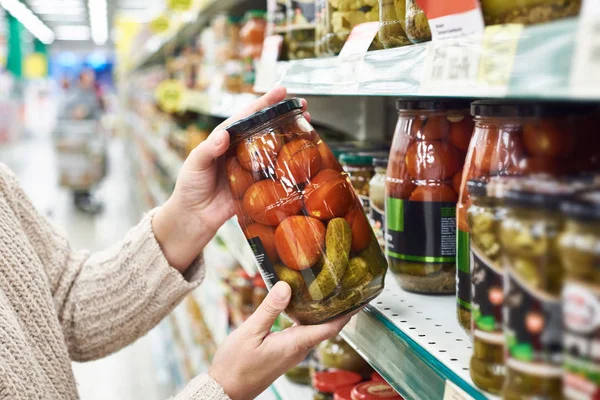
(263, 116)
(477, 187)
(431, 104)
(359, 158)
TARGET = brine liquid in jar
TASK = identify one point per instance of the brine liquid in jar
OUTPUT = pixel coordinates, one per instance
(420, 196)
(297, 208)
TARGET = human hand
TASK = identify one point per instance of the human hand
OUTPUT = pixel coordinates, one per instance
(252, 357)
(201, 201)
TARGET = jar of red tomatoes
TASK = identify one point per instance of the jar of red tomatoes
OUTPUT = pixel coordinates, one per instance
(301, 216)
(521, 138)
(425, 164)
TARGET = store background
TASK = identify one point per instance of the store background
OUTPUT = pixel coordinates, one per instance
(168, 72)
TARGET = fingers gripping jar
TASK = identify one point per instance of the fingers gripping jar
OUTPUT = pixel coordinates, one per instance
(420, 198)
(297, 208)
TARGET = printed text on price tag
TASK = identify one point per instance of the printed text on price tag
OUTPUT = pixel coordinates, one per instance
(453, 392)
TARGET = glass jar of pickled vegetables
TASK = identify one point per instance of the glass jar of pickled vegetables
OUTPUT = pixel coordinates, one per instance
(579, 246)
(300, 373)
(527, 11)
(520, 138)
(326, 383)
(336, 354)
(359, 167)
(420, 199)
(484, 216)
(301, 216)
(392, 23)
(533, 284)
(301, 23)
(417, 25)
(377, 199)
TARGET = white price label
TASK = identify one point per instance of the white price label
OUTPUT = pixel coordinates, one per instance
(585, 70)
(455, 25)
(360, 39)
(450, 67)
(453, 392)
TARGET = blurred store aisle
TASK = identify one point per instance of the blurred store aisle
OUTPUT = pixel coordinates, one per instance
(129, 374)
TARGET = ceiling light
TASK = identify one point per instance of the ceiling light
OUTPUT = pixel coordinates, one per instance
(29, 20)
(98, 21)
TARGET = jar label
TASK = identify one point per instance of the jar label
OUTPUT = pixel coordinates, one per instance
(463, 270)
(487, 298)
(265, 266)
(302, 14)
(377, 219)
(581, 317)
(532, 328)
(421, 231)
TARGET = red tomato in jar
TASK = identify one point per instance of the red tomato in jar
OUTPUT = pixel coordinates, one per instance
(297, 162)
(266, 234)
(362, 234)
(544, 138)
(240, 179)
(300, 241)
(434, 192)
(269, 202)
(539, 165)
(432, 160)
(457, 180)
(460, 133)
(399, 184)
(328, 160)
(259, 153)
(435, 127)
(300, 128)
(329, 195)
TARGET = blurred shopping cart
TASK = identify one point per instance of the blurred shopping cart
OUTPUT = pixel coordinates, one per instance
(81, 147)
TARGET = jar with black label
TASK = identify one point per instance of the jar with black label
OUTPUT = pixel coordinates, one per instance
(579, 246)
(533, 283)
(420, 197)
(359, 167)
(303, 220)
(377, 199)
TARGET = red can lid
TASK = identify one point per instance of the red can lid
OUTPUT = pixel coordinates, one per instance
(374, 390)
(330, 381)
(344, 393)
(376, 377)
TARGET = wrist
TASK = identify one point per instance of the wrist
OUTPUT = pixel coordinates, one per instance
(180, 235)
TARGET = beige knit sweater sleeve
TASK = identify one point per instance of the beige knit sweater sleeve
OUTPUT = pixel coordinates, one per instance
(107, 300)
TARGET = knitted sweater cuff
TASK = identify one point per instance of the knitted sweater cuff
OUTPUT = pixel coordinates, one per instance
(203, 387)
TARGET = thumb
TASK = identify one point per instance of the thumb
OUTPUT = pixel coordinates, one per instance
(263, 318)
(205, 153)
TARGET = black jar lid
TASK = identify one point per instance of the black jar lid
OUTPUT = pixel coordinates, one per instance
(263, 116)
(542, 192)
(583, 207)
(520, 108)
(477, 187)
(429, 104)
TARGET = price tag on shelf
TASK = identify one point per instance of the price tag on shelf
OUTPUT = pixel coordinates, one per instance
(499, 48)
(451, 19)
(360, 39)
(453, 392)
(451, 67)
(585, 69)
(271, 49)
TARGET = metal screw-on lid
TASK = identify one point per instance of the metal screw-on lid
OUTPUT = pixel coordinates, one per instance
(263, 116)
(432, 104)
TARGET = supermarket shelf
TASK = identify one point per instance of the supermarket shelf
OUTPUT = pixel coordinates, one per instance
(538, 66)
(285, 389)
(415, 342)
(218, 104)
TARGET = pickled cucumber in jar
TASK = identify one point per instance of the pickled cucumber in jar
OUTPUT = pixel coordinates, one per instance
(301, 25)
(417, 25)
(392, 23)
(533, 284)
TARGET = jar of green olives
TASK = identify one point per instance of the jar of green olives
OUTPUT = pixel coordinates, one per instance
(533, 284)
(579, 245)
(300, 36)
(359, 167)
(336, 354)
(377, 199)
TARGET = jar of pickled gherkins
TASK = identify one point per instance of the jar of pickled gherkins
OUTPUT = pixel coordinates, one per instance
(417, 25)
(297, 208)
(420, 198)
(336, 354)
(359, 167)
(533, 284)
(301, 25)
(484, 216)
(519, 138)
(326, 383)
(392, 24)
(579, 247)
(377, 199)
(527, 11)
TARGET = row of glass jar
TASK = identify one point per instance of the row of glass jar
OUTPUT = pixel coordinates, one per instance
(535, 267)
(321, 27)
